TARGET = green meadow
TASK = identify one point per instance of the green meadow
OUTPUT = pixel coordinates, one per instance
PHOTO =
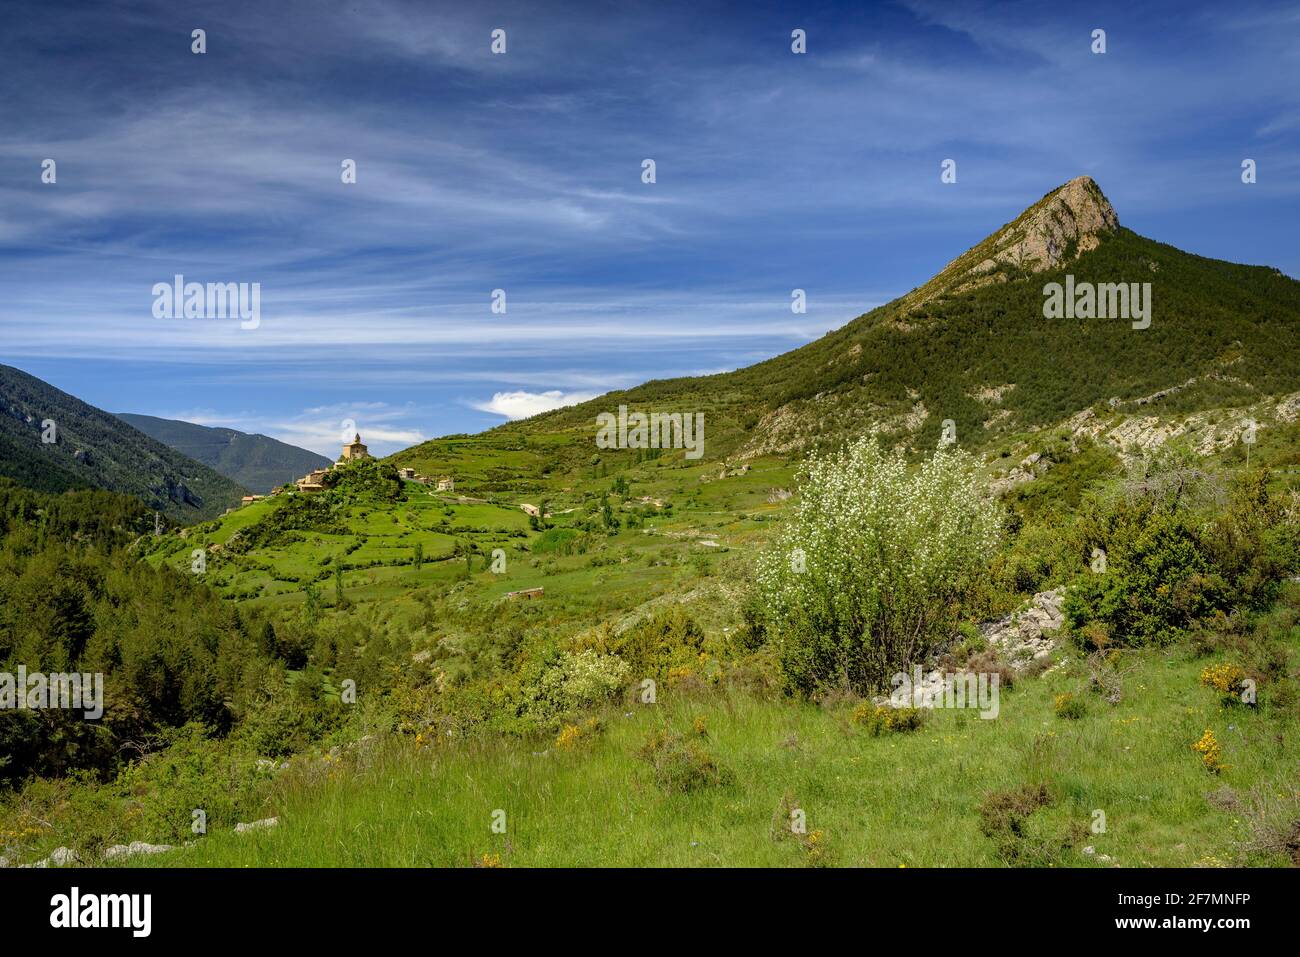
(902, 800)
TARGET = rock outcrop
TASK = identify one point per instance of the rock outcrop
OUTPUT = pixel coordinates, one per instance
(134, 849)
(1069, 221)
(59, 857)
(261, 825)
(1020, 639)
(1025, 636)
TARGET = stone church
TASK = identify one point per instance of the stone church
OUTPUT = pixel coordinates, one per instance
(352, 451)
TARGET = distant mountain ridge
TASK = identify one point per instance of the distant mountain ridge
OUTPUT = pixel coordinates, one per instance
(257, 462)
(94, 449)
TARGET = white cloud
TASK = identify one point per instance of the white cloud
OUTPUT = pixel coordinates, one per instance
(521, 404)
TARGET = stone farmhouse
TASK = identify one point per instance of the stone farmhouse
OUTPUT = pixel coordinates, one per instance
(411, 475)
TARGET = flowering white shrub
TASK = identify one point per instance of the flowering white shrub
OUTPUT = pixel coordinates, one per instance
(579, 681)
(867, 573)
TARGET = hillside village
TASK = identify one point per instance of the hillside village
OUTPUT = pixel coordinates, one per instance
(354, 451)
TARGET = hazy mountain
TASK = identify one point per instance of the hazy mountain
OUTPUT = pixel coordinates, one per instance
(93, 449)
(257, 462)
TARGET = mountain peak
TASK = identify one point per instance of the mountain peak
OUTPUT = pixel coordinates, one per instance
(1077, 210)
(1068, 221)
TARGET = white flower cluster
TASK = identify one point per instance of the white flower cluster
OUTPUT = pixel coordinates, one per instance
(873, 556)
(584, 679)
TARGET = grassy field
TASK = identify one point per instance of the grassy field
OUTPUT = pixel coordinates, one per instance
(376, 546)
(899, 799)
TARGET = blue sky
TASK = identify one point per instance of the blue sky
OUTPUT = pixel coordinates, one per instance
(522, 172)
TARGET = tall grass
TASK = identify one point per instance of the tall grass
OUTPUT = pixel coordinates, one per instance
(888, 801)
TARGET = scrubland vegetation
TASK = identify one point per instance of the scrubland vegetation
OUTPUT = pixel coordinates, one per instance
(665, 701)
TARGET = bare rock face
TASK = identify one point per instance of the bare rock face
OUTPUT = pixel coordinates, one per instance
(1075, 215)
(1066, 222)
(1030, 634)
(1288, 407)
(782, 430)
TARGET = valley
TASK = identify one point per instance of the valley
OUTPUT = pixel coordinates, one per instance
(584, 653)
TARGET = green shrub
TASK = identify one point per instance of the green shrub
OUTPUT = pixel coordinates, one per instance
(682, 764)
(882, 719)
(573, 682)
(288, 712)
(1158, 579)
(193, 773)
(869, 573)
(1173, 562)
(74, 811)
(1255, 542)
(654, 646)
(1036, 557)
